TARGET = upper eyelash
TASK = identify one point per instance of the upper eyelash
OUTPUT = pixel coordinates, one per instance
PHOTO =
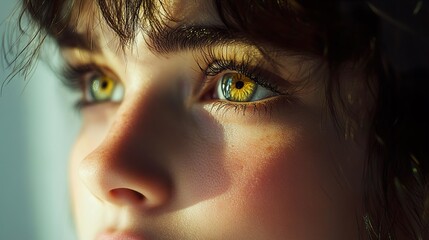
(73, 75)
(215, 62)
(244, 67)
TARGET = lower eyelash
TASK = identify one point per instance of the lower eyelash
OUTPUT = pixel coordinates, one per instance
(80, 104)
(223, 107)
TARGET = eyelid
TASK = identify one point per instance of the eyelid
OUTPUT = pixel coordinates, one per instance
(76, 74)
(255, 72)
(76, 77)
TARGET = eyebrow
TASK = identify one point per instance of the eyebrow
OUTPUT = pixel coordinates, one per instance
(181, 38)
(164, 40)
(70, 38)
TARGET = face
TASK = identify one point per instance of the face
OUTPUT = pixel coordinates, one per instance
(208, 142)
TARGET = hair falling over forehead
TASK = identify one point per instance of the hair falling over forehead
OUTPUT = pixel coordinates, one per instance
(367, 33)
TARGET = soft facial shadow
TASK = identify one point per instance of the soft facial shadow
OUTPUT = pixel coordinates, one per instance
(184, 148)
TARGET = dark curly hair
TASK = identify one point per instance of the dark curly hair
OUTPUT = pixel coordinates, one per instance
(390, 39)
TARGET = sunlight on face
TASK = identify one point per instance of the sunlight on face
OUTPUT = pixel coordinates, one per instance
(191, 145)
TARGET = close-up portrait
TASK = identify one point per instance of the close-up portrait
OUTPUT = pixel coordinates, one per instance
(214, 119)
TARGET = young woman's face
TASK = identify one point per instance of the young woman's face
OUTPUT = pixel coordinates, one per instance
(203, 141)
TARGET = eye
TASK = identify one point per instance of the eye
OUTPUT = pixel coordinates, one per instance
(237, 87)
(100, 88)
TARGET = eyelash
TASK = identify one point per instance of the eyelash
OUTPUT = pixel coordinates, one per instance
(214, 65)
(255, 72)
(75, 77)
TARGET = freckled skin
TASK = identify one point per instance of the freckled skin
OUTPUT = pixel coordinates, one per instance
(158, 167)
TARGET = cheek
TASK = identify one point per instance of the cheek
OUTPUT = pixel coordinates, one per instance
(279, 185)
(263, 181)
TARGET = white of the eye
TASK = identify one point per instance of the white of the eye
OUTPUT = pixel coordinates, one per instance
(88, 95)
(219, 91)
(118, 93)
(259, 92)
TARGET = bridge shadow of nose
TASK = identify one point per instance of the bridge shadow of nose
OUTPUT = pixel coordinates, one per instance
(186, 152)
(202, 174)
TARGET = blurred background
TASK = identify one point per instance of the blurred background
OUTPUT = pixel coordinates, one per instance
(37, 127)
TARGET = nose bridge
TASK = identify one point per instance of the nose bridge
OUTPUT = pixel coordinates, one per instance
(149, 120)
(129, 166)
(155, 100)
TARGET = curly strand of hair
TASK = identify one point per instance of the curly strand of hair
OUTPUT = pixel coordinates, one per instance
(20, 49)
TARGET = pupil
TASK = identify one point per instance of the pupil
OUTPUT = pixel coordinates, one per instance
(104, 84)
(239, 85)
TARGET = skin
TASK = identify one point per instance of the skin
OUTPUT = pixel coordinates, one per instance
(167, 163)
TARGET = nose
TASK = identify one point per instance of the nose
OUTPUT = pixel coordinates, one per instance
(129, 166)
(118, 179)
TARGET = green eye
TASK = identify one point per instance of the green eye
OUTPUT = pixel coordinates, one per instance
(103, 88)
(237, 87)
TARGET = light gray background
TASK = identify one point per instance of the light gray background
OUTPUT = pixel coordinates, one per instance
(37, 127)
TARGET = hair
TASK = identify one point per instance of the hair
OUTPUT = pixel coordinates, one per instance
(389, 39)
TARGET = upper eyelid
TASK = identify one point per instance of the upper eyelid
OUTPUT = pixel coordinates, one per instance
(243, 58)
(75, 74)
(257, 71)
(73, 71)
(211, 80)
(250, 63)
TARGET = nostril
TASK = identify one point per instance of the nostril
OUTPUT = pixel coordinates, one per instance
(126, 196)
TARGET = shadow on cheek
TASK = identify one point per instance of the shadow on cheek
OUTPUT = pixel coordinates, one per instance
(185, 150)
(199, 153)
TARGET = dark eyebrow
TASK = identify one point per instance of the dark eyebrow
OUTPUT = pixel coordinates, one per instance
(183, 38)
(163, 41)
(70, 38)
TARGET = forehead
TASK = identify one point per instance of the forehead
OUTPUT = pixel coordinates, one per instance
(122, 20)
(143, 12)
